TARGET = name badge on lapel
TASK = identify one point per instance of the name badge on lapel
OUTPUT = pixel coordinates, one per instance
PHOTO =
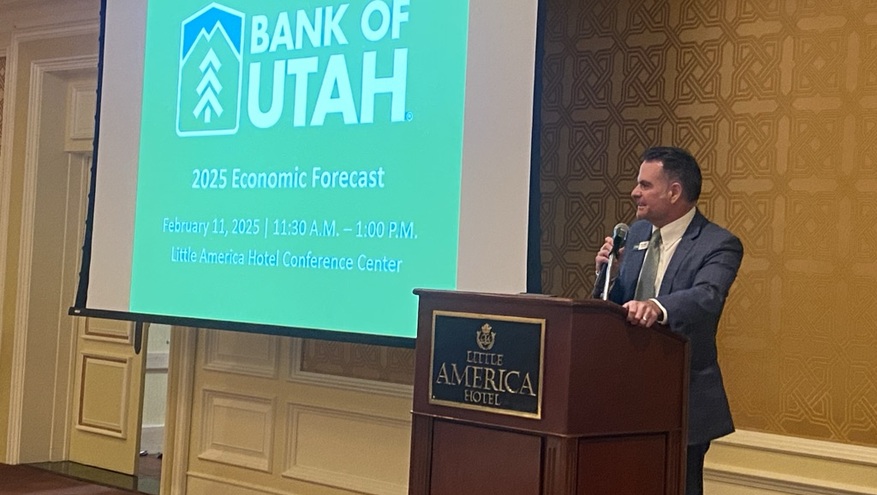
(641, 246)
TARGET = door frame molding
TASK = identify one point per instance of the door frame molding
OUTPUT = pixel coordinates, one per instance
(178, 416)
(39, 69)
(183, 341)
(11, 54)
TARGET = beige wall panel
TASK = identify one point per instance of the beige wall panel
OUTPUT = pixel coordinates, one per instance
(104, 395)
(81, 104)
(331, 435)
(348, 450)
(82, 101)
(237, 430)
(242, 353)
(115, 331)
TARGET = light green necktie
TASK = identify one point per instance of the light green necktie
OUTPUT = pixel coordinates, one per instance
(645, 288)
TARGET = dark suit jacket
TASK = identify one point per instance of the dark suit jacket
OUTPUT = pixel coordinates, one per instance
(693, 291)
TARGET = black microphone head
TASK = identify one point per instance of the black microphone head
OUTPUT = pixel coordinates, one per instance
(619, 237)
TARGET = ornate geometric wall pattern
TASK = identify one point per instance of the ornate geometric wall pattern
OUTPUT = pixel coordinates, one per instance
(778, 101)
(367, 362)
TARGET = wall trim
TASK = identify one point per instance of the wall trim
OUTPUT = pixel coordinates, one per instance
(4, 193)
(59, 30)
(765, 480)
(178, 418)
(231, 482)
(785, 464)
(6, 164)
(819, 449)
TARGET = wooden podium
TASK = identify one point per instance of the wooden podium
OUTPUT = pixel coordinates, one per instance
(527, 394)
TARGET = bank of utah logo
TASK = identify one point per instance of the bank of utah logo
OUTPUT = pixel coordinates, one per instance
(211, 72)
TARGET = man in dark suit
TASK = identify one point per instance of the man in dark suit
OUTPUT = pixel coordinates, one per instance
(676, 270)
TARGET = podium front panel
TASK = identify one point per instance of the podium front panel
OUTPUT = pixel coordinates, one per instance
(468, 459)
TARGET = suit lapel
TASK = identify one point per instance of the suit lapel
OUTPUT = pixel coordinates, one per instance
(686, 244)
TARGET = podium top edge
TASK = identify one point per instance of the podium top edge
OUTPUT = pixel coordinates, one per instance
(580, 305)
(523, 296)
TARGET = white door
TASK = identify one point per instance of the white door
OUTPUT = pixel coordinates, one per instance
(108, 395)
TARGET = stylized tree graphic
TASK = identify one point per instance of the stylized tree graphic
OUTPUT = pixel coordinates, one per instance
(209, 88)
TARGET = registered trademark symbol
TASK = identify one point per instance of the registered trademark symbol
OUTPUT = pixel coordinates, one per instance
(409, 116)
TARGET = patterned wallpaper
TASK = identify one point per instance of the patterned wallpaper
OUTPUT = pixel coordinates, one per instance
(778, 101)
(367, 362)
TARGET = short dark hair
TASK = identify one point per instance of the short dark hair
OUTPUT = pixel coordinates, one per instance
(678, 165)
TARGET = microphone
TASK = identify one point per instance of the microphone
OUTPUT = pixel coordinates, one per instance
(619, 237)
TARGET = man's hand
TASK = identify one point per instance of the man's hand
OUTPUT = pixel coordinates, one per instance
(603, 254)
(642, 313)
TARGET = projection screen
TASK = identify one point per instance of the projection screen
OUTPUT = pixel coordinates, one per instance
(300, 167)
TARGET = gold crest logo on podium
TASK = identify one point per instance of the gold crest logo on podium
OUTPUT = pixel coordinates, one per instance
(485, 337)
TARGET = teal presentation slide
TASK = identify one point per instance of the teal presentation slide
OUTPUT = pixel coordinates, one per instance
(300, 162)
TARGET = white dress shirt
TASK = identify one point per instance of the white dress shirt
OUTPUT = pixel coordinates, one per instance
(671, 234)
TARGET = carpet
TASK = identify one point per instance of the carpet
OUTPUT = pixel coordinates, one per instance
(20, 480)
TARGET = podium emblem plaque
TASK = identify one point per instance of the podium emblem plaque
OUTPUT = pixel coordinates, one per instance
(485, 362)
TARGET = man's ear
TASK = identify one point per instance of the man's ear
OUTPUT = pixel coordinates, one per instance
(675, 192)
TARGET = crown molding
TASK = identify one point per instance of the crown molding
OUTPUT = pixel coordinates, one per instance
(59, 30)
